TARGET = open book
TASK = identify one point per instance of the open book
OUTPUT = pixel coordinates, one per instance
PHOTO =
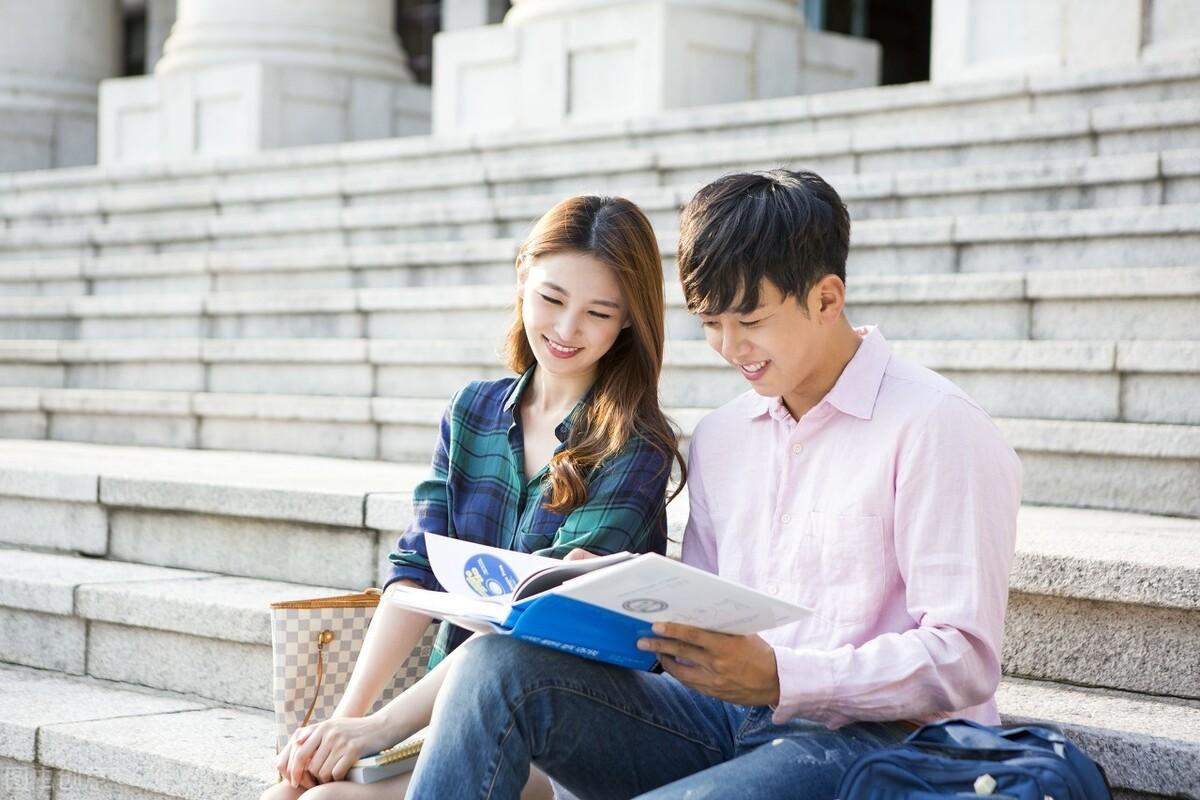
(597, 607)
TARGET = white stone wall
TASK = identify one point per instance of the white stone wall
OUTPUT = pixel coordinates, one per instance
(558, 61)
(979, 39)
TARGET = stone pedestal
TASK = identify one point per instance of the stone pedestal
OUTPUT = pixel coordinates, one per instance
(975, 39)
(53, 53)
(238, 77)
(557, 61)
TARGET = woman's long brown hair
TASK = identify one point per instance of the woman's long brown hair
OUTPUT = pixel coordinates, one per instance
(624, 402)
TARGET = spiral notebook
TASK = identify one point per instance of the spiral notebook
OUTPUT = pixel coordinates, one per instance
(396, 760)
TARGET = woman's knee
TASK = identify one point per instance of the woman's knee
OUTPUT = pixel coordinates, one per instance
(388, 789)
(281, 791)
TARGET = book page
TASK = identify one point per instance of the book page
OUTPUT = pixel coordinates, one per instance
(476, 570)
(657, 589)
(453, 607)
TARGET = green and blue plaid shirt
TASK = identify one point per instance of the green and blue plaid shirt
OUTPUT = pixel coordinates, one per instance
(477, 492)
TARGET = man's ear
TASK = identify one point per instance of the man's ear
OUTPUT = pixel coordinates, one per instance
(830, 297)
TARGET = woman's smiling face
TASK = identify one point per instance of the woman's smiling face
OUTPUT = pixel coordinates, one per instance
(573, 310)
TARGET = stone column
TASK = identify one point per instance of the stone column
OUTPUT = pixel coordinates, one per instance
(979, 39)
(53, 53)
(557, 61)
(237, 77)
(160, 16)
(459, 14)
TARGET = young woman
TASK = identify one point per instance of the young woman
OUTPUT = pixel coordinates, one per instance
(574, 453)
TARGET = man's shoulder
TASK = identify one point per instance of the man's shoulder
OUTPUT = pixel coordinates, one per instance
(915, 399)
(730, 417)
(920, 389)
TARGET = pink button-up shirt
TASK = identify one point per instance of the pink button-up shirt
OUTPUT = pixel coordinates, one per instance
(890, 509)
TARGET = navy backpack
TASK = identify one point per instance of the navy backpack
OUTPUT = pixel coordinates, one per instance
(956, 758)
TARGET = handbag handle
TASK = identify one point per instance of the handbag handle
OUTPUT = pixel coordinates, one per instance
(323, 638)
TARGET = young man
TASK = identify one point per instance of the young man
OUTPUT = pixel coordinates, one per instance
(848, 480)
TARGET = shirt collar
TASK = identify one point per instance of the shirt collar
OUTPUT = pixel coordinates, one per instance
(512, 398)
(857, 388)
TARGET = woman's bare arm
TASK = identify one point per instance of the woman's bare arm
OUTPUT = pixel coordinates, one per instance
(391, 637)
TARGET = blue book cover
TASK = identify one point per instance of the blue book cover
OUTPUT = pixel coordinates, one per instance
(596, 608)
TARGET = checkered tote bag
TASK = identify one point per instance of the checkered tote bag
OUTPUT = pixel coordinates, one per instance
(314, 645)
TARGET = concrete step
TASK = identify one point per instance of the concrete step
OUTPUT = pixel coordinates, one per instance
(1136, 235)
(1145, 179)
(1148, 746)
(1127, 381)
(83, 737)
(1139, 304)
(307, 520)
(77, 738)
(1117, 465)
(1112, 238)
(1121, 110)
(143, 625)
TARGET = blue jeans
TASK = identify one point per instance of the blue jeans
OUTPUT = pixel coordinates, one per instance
(606, 732)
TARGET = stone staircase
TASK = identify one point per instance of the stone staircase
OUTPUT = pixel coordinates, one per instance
(219, 381)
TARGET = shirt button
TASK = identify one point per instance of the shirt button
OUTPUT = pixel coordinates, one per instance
(786, 519)
(797, 449)
(772, 589)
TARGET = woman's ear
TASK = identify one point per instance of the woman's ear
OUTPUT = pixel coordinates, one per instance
(522, 274)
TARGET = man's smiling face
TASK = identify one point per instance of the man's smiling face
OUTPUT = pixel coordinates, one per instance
(777, 346)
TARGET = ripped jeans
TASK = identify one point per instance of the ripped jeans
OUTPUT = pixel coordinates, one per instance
(605, 732)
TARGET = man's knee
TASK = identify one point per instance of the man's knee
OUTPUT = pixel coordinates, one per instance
(494, 655)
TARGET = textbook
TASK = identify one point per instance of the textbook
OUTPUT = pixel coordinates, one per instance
(596, 608)
(396, 760)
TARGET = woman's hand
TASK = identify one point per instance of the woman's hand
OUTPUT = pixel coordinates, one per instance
(326, 751)
(285, 755)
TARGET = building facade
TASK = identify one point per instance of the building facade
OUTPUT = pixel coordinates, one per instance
(87, 81)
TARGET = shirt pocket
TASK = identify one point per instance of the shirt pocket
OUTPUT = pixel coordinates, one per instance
(845, 553)
(538, 529)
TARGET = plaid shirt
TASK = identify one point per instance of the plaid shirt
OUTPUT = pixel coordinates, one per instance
(477, 491)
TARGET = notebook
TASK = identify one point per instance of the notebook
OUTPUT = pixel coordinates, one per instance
(396, 760)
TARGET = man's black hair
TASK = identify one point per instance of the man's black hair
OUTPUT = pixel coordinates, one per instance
(788, 227)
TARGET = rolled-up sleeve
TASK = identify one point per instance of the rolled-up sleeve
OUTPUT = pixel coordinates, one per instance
(958, 491)
(625, 507)
(431, 509)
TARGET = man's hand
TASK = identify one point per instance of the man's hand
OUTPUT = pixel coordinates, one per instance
(736, 669)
